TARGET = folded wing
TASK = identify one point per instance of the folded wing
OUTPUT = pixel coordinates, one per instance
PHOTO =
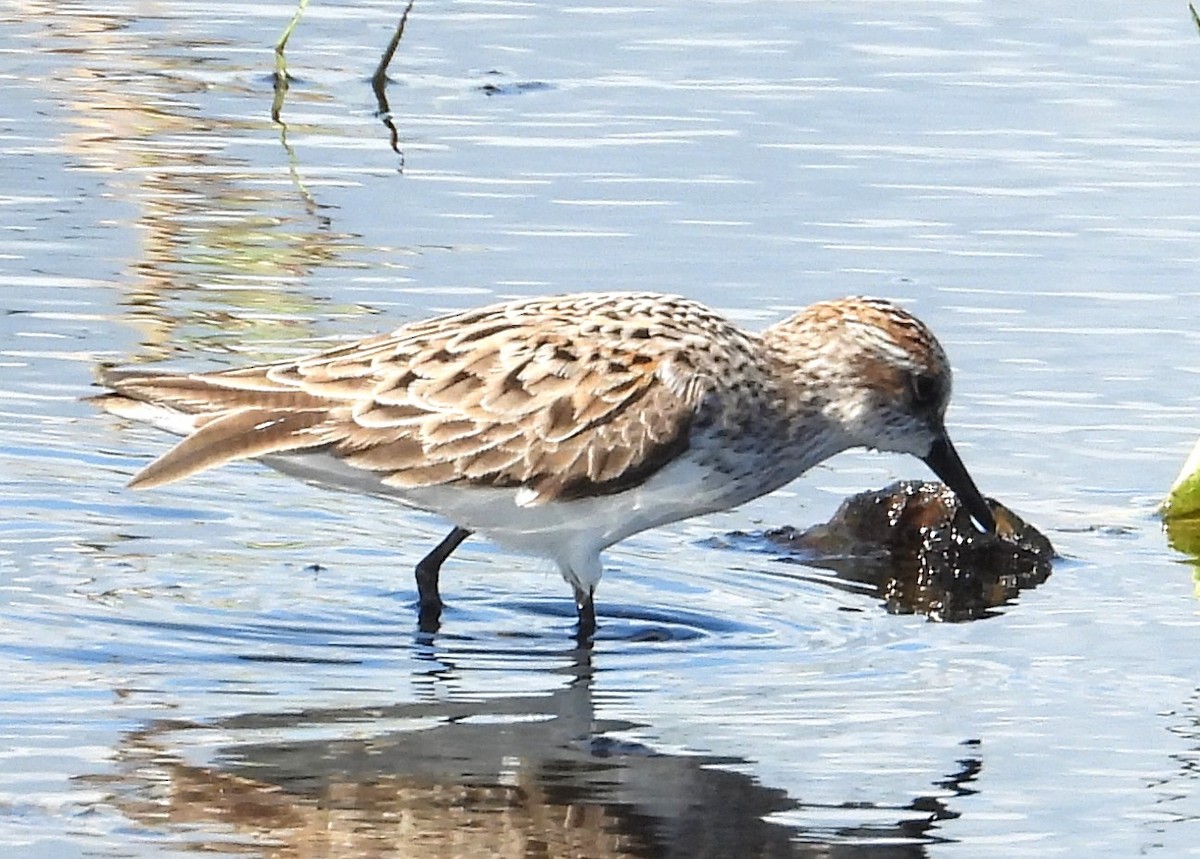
(553, 400)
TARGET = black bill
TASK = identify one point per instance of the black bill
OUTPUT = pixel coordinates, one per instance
(944, 461)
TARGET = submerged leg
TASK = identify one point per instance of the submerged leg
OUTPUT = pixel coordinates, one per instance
(427, 574)
(586, 608)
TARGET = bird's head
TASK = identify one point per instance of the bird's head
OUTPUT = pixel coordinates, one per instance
(878, 375)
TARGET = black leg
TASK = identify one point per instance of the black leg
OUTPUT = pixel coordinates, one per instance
(427, 576)
(586, 608)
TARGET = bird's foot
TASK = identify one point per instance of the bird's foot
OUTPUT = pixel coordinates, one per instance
(429, 614)
(585, 606)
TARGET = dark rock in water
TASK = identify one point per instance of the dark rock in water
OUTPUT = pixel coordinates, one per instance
(916, 544)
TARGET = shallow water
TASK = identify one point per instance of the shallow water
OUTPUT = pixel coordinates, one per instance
(232, 664)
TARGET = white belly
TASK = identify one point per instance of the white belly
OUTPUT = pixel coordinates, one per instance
(571, 533)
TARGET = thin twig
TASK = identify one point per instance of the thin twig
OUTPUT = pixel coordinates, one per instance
(379, 84)
(280, 62)
(379, 79)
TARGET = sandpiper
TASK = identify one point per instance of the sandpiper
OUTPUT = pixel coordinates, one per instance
(559, 426)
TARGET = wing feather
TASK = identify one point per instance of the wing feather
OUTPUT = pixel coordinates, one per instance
(558, 397)
(241, 434)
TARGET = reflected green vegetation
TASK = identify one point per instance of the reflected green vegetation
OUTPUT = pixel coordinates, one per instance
(1184, 536)
(1181, 510)
(224, 250)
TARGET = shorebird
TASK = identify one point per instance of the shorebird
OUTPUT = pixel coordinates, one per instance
(560, 426)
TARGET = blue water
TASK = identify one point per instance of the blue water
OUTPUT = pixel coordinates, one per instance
(232, 664)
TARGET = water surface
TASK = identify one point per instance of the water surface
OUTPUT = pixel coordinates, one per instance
(232, 665)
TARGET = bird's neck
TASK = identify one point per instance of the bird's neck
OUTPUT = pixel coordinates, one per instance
(803, 403)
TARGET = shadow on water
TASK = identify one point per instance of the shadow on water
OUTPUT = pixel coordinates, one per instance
(514, 775)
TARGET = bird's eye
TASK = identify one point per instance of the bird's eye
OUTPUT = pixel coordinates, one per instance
(926, 390)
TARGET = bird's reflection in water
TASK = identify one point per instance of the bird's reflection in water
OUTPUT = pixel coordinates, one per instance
(514, 776)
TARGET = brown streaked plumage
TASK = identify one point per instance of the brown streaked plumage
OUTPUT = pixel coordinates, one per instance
(559, 426)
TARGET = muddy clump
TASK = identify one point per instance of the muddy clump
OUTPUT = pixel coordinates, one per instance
(916, 544)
